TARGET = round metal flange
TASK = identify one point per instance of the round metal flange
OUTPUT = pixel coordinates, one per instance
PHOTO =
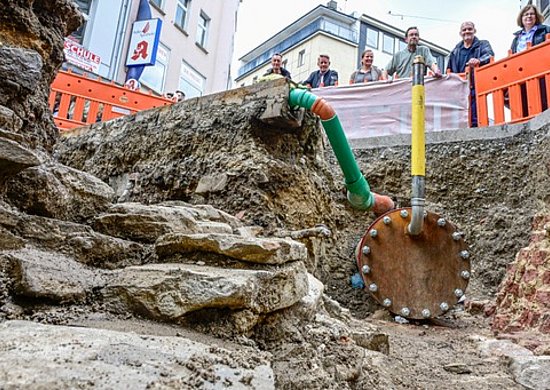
(424, 273)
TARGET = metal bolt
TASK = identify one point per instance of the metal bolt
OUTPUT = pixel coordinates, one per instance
(457, 236)
(441, 222)
(387, 220)
(365, 269)
(459, 293)
(426, 313)
(464, 255)
(405, 311)
(366, 250)
(373, 287)
(404, 213)
(444, 306)
(373, 233)
(465, 275)
(387, 302)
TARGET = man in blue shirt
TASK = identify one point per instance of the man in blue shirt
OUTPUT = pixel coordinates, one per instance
(470, 52)
(324, 77)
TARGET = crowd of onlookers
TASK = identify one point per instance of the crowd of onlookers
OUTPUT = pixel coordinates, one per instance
(469, 52)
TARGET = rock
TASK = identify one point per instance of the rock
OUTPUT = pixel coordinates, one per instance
(211, 183)
(45, 275)
(532, 372)
(169, 291)
(144, 223)
(20, 67)
(457, 368)
(9, 121)
(55, 191)
(66, 357)
(255, 250)
(14, 158)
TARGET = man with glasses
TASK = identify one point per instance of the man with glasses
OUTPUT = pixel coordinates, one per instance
(401, 63)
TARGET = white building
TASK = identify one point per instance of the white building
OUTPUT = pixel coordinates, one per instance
(325, 30)
(195, 49)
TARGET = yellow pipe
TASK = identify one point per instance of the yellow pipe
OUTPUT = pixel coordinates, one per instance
(418, 151)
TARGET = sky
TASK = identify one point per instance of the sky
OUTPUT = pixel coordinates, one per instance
(438, 20)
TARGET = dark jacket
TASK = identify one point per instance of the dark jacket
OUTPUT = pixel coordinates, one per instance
(329, 78)
(538, 37)
(285, 73)
(480, 49)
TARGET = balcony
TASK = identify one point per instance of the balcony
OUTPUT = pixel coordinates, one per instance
(320, 25)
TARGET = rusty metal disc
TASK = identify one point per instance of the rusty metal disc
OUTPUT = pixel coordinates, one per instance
(414, 276)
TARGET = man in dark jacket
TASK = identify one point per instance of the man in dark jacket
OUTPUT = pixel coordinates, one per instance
(470, 52)
(324, 77)
(277, 66)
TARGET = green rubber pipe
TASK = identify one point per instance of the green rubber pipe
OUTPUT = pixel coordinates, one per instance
(359, 194)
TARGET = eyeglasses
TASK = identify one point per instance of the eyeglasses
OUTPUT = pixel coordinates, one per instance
(529, 14)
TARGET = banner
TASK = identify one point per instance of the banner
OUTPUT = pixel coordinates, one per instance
(78, 55)
(384, 108)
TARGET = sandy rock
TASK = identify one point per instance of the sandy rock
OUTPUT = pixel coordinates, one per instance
(532, 372)
(14, 158)
(46, 275)
(169, 291)
(56, 191)
(144, 223)
(62, 357)
(256, 250)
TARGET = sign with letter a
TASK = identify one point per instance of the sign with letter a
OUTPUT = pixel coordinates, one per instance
(144, 42)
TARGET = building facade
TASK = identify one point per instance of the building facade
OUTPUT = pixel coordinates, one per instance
(195, 48)
(325, 30)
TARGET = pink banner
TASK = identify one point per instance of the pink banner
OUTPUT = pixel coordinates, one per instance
(384, 108)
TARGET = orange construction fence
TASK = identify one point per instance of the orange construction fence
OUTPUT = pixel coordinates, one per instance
(77, 100)
(520, 82)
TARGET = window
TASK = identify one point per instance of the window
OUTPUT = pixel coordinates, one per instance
(84, 6)
(544, 6)
(154, 75)
(190, 82)
(202, 29)
(284, 64)
(182, 9)
(402, 45)
(387, 44)
(372, 38)
(301, 58)
(157, 3)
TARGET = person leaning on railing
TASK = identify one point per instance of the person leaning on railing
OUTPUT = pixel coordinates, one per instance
(532, 31)
(470, 52)
(402, 62)
(367, 71)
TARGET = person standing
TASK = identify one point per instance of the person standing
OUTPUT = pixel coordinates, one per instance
(470, 52)
(401, 63)
(324, 77)
(532, 30)
(277, 66)
(367, 71)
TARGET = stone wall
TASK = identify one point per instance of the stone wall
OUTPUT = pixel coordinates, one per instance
(31, 51)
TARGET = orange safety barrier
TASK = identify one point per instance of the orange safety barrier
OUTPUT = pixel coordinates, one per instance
(77, 100)
(517, 82)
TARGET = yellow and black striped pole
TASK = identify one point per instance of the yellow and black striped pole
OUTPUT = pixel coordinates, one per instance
(418, 150)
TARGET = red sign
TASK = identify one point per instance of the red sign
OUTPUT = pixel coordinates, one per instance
(80, 56)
